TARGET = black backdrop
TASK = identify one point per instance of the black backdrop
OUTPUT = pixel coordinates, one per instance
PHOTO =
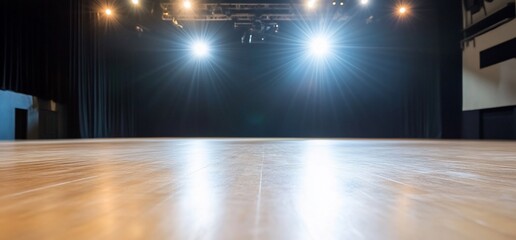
(400, 79)
(64, 51)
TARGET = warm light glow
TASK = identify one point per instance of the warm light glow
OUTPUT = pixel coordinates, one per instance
(200, 49)
(187, 4)
(135, 2)
(310, 4)
(364, 2)
(108, 12)
(402, 10)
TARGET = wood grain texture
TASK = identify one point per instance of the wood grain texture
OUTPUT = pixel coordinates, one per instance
(257, 189)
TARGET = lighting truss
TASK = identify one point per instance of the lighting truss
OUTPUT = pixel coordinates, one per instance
(237, 12)
(258, 20)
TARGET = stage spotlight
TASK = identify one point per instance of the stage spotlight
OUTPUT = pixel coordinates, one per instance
(200, 49)
(403, 10)
(334, 3)
(364, 2)
(342, 3)
(108, 11)
(135, 2)
(310, 4)
(187, 4)
(319, 46)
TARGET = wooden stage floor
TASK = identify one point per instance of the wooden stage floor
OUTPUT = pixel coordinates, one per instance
(257, 189)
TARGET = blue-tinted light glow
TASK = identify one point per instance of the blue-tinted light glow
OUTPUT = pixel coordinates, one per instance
(319, 46)
(200, 49)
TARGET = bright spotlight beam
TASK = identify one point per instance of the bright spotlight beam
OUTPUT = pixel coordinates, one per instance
(319, 46)
(403, 10)
(200, 49)
(187, 4)
(311, 4)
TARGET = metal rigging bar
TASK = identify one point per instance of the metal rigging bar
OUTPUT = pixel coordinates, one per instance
(238, 12)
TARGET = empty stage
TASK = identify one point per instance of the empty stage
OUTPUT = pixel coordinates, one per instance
(257, 189)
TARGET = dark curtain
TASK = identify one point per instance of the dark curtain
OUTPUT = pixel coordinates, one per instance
(65, 51)
(101, 73)
(404, 79)
(394, 83)
(34, 40)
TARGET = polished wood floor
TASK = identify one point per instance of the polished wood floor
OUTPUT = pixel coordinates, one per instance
(257, 189)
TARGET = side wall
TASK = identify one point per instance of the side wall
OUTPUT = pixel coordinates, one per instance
(46, 119)
(493, 86)
(494, 123)
(489, 92)
(9, 101)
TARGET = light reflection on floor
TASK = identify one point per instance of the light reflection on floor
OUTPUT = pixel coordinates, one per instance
(257, 189)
